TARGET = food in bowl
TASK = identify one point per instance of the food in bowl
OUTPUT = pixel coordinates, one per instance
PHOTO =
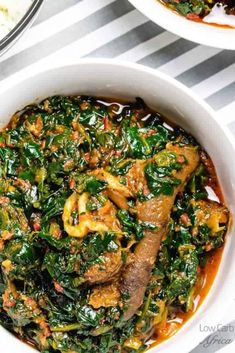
(11, 12)
(219, 12)
(111, 226)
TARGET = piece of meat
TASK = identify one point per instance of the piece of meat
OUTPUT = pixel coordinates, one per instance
(117, 192)
(113, 182)
(105, 271)
(111, 261)
(157, 210)
(107, 215)
(211, 213)
(105, 296)
(118, 198)
(102, 220)
(136, 177)
(135, 182)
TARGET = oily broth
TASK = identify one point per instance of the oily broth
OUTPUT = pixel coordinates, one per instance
(205, 281)
(206, 274)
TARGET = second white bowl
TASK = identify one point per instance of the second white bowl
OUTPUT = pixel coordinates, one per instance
(214, 36)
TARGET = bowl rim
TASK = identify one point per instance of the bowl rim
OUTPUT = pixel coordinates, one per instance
(198, 32)
(21, 25)
(188, 342)
(18, 78)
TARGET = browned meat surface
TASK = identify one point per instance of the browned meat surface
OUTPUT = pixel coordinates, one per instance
(111, 262)
(136, 274)
(210, 213)
(135, 182)
(117, 192)
(108, 216)
(136, 177)
(105, 296)
(100, 220)
(105, 271)
(157, 210)
(119, 199)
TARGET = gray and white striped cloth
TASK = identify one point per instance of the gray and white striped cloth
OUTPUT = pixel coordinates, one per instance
(70, 29)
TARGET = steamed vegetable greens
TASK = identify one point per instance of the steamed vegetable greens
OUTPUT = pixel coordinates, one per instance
(74, 173)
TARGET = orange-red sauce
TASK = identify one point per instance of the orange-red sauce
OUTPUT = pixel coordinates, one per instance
(206, 275)
(205, 280)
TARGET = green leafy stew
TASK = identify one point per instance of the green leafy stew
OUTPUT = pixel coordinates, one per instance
(196, 10)
(110, 221)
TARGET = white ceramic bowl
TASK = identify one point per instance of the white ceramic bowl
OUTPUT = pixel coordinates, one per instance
(126, 80)
(202, 33)
(21, 26)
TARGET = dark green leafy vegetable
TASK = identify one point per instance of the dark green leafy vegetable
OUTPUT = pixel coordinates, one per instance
(48, 155)
(157, 182)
